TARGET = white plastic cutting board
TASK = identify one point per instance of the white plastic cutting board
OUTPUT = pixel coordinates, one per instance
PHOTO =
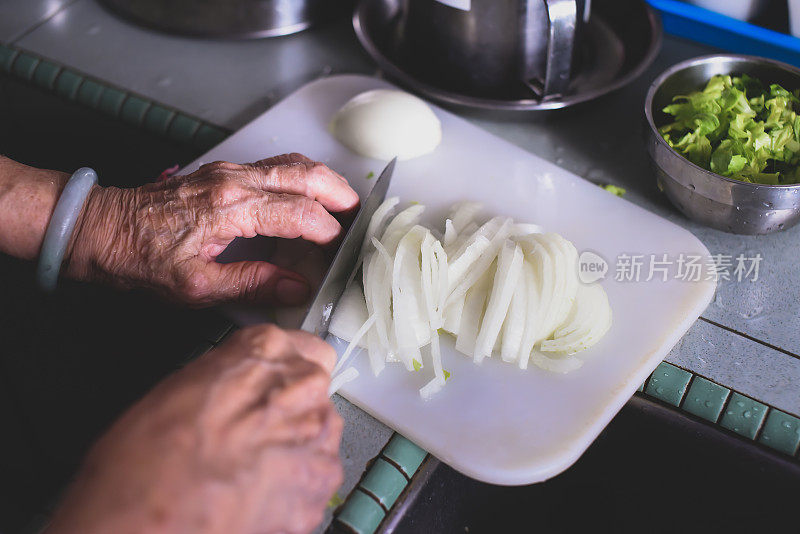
(495, 422)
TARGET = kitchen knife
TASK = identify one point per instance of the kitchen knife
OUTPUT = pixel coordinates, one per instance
(321, 309)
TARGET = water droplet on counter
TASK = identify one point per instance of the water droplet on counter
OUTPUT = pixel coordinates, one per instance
(752, 313)
(768, 205)
(659, 390)
(780, 226)
(740, 404)
(748, 414)
(692, 187)
(708, 404)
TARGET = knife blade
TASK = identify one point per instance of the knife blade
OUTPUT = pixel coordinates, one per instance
(321, 309)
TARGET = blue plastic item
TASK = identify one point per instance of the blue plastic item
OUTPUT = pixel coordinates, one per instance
(708, 27)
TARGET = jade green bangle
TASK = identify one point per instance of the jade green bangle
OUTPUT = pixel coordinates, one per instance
(61, 226)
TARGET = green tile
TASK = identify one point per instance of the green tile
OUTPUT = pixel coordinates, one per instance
(25, 65)
(705, 399)
(67, 84)
(157, 119)
(405, 454)
(667, 383)
(111, 101)
(208, 136)
(7, 56)
(781, 432)
(89, 93)
(641, 387)
(46, 73)
(743, 415)
(183, 128)
(133, 110)
(385, 482)
(361, 513)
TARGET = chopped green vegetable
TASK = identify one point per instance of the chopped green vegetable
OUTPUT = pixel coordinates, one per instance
(739, 128)
(370, 175)
(614, 189)
(417, 365)
(335, 501)
(446, 374)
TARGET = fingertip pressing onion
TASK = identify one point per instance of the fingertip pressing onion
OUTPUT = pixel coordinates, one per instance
(384, 123)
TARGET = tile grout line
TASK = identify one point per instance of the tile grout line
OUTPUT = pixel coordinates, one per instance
(725, 405)
(78, 87)
(762, 424)
(728, 396)
(374, 497)
(41, 23)
(395, 465)
(749, 337)
(682, 400)
(171, 119)
(148, 107)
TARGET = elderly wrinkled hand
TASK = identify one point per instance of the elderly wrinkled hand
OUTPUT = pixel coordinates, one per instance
(167, 235)
(245, 439)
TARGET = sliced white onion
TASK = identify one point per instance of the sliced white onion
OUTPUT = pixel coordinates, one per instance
(351, 313)
(564, 364)
(472, 314)
(514, 324)
(410, 326)
(532, 314)
(450, 234)
(464, 213)
(354, 343)
(509, 267)
(497, 286)
(399, 227)
(348, 375)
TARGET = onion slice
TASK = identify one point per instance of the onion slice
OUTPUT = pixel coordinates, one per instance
(496, 285)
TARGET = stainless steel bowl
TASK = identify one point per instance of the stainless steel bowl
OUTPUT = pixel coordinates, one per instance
(722, 203)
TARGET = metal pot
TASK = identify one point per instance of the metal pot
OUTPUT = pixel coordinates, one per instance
(228, 18)
(489, 45)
